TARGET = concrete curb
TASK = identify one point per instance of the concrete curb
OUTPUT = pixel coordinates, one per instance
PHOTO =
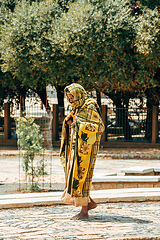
(100, 154)
(129, 156)
(26, 200)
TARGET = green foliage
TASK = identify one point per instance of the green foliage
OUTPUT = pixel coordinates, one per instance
(30, 137)
(100, 44)
(24, 45)
(147, 43)
(99, 39)
(31, 141)
(86, 40)
(10, 4)
(152, 4)
(147, 27)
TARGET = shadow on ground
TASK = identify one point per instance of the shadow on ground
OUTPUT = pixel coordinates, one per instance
(117, 218)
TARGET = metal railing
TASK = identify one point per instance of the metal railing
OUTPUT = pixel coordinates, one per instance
(122, 124)
(129, 124)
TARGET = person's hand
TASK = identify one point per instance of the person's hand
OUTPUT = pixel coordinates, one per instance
(69, 122)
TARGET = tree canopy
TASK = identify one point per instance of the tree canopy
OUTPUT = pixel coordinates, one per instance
(104, 45)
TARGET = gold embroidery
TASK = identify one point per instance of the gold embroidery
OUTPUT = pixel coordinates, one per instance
(76, 193)
(84, 148)
(90, 127)
(81, 172)
(95, 116)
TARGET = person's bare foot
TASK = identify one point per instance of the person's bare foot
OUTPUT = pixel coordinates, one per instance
(80, 216)
(91, 204)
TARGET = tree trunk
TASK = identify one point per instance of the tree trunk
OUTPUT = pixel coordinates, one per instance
(22, 105)
(98, 94)
(43, 96)
(151, 101)
(60, 95)
(21, 96)
(61, 110)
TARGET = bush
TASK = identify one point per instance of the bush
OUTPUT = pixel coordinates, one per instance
(31, 141)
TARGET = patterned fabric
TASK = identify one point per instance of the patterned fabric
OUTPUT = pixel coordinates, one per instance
(79, 162)
(78, 93)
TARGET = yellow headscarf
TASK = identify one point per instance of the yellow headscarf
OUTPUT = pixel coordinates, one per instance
(79, 94)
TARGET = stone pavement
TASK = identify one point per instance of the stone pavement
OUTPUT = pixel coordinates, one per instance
(121, 213)
(125, 221)
(108, 161)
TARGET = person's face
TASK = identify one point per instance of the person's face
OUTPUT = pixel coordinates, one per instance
(70, 97)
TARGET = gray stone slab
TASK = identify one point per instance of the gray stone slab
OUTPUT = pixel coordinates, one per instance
(137, 169)
(127, 179)
(157, 169)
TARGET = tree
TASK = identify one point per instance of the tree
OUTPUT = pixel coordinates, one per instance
(10, 4)
(100, 40)
(113, 48)
(109, 46)
(148, 61)
(24, 47)
(151, 4)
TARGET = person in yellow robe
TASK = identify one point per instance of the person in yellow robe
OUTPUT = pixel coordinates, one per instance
(81, 134)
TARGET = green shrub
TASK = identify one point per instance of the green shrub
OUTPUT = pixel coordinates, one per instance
(31, 141)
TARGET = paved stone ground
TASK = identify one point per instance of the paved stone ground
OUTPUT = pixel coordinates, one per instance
(107, 221)
(127, 221)
(9, 172)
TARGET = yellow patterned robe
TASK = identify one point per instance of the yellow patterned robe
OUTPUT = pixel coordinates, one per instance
(79, 162)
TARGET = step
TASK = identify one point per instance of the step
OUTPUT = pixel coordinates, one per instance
(100, 196)
(136, 170)
(126, 179)
(157, 171)
(141, 171)
(116, 182)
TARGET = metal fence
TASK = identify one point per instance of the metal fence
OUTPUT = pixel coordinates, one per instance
(38, 165)
(123, 124)
(133, 124)
(129, 124)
